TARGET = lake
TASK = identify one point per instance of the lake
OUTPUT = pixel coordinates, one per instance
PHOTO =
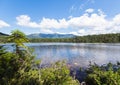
(77, 54)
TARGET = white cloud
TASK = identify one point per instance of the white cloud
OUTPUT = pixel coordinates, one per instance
(81, 31)
(46, 31)
(88, 23)
(24, 20)
(52, 23)
(74, 33)
(3, 24)
(90, 10)
(116, 19)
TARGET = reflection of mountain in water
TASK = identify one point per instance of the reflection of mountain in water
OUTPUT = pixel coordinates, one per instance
(77, 54)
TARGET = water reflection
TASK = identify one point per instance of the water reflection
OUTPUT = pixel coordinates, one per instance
(77, 54)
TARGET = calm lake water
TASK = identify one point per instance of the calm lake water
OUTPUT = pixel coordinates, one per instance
(79, 54)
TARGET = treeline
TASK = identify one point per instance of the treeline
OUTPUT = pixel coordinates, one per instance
(3, 39)
(51, 40)
(102, 38)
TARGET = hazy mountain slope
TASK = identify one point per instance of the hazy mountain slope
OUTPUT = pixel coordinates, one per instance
(41, 35)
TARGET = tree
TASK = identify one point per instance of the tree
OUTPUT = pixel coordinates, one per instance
(16, 67)
(18, 38)
(9, 66)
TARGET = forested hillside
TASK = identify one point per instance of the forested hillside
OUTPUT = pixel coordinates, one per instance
(54, 35)
(101, 38)
(2, 34)
(3, 37)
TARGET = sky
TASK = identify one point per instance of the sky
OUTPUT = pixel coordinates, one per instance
(79, 17)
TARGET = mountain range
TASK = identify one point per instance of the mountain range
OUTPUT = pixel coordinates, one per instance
(42, 35)
(55, 35)
(3, 34)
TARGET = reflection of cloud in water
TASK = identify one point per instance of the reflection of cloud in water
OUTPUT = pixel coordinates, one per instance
(78, 54)
(107, 54)
(100, 57)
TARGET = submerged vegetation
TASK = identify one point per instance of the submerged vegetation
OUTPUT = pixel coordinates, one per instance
(21, 68)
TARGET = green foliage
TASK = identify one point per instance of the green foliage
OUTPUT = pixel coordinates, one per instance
(102, 38)
(15, 68)
(18, 38)
(51, 40)
(21, 68)
(3, 39)
(57, 74)
(104, 75)
(7, 70)
(2, 50)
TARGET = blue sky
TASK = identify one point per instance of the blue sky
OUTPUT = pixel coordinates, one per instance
(79, 17)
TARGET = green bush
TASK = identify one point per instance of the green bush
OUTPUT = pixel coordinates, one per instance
(57, 74)
(103, 75)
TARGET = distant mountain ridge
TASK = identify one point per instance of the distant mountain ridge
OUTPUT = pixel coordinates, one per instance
(55, 35)
(3, 34)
